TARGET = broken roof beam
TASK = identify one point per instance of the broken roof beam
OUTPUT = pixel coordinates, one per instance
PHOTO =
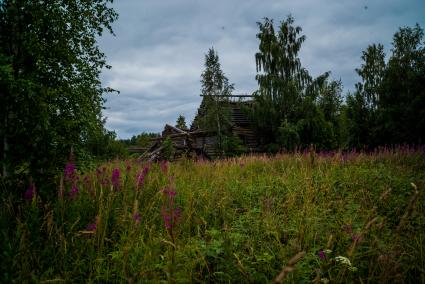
(229, 96)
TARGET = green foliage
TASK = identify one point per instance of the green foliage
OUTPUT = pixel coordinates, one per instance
(289, 101)
(288, 138)
(241, 220)
(141, 140)
(233, 146)
(388, 106)
(215, 103)
(168, 151)
(51, 98)
(181, 123)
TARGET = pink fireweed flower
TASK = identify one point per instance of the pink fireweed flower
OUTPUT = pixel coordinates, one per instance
(104, 182)
(170, 216)
(170, 213)
(169, 192)
(115, 179)
(137, 218)
(128, 168)
(93, 226)
(142, 175)
(69, 172)
(321, 254)
(164, 166)
(356, 237)
(74, 191)
(30, 192)
(86, 180)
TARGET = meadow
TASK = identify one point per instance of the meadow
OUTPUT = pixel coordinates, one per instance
(297, 218)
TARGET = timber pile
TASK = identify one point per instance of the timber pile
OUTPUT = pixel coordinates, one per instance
(201, 143)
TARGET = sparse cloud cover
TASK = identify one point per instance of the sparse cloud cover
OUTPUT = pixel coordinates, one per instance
(157, 55)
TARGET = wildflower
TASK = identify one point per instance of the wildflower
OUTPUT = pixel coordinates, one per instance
(86, 180)
(343, 260)
(128, 168)
(30, 192)
(104, 182)
(164, 166)
(91, 227)
(170, 216)
(356, 237)
(69, 171)
(169, 192)
(74, 191)
(115, 179)
(141, 176)
(321, 254)
(137, 218)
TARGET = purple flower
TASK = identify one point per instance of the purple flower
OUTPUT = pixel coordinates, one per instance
(169, 192)
(356, 237)
(30, 192)
(141, 176)
(321, 254)
(115, 179)
(170, 216)
(86, 180)
(74, 191)
(91, 227)
(164, 166)
(137, 218)
(69, 171)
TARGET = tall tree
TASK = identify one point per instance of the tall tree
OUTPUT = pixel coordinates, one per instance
(286, 100)
(215, 91)
(52, 97)
(403, 97)
(281, 78)
(372, 73)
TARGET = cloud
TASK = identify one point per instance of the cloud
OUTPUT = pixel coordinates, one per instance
(158, 53)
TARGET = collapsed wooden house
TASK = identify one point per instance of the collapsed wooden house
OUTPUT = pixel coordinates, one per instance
(202, 143)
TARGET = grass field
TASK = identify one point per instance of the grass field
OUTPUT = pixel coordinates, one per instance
(321, 218)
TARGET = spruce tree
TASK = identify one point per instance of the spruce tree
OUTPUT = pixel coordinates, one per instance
(215, 91)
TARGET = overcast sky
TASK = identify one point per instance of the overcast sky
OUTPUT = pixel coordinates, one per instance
(157, 55)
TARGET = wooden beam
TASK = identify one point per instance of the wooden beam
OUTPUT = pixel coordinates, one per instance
(231, 96)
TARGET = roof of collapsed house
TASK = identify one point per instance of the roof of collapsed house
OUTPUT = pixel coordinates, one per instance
(201, 142)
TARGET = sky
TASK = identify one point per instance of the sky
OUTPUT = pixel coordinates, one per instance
(158, 51)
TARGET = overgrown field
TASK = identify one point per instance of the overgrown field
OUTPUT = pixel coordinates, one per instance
(293, 217)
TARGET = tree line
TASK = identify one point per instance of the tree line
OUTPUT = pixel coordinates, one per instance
(292, 110)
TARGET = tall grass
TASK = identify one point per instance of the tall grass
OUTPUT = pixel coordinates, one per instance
(327, 217)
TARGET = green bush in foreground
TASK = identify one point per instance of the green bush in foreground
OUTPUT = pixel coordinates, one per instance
(296, 218)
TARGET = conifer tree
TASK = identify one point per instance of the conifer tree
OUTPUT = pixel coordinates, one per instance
(181, 122)
(215, 91)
